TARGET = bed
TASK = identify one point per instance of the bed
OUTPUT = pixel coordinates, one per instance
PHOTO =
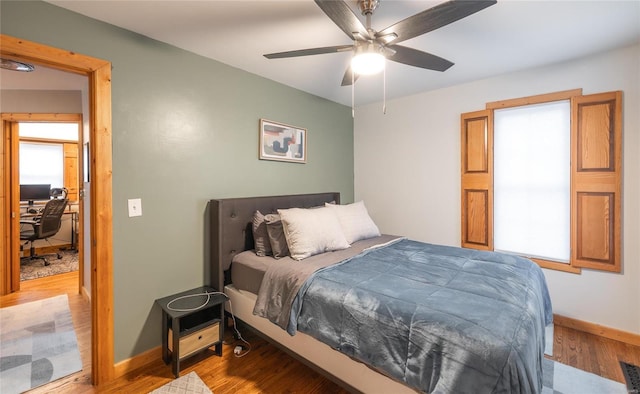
(483, 332)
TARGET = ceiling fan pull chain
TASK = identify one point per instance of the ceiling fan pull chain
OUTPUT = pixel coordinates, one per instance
(384, 91)
(353, 93)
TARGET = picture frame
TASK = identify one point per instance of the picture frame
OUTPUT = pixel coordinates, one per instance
(282, 142)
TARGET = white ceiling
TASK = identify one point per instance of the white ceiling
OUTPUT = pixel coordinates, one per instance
(508, 36)
(42, 78)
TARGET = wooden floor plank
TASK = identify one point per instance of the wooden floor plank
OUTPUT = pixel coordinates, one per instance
(266, 369)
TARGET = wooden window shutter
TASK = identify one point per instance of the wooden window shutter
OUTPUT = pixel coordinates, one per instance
(477, 180)
(596, 181)
(71, 170)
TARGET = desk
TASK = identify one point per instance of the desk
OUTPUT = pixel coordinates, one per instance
(186, 332)
(67, 212)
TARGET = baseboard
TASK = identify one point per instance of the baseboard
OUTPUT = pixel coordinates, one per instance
(85, 294)
(137, 361)
(47, 249)
(596, 329)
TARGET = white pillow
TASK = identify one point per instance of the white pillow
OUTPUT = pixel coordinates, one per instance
(355, 221)
(311, 231)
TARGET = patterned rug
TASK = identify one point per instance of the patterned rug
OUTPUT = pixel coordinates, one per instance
(33, 269)
(37, 344)
(187, 384)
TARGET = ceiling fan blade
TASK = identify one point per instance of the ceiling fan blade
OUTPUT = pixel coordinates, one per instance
(434, 18)
(340, 13)
(310, 51)
(348, 79)
(414, 57)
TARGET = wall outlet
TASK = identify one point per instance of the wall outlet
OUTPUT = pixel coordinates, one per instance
(135, 207)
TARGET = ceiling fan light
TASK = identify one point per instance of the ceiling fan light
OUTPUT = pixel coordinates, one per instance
(367, 63)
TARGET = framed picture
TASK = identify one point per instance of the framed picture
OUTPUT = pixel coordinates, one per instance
(282, 142)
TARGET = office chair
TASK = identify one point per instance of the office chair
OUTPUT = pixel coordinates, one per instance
(59, 192)
(44, 226)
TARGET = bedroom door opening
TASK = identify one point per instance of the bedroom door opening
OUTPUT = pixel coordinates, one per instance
(99, 208)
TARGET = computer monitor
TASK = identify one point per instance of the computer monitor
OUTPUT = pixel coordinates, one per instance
(31, 193)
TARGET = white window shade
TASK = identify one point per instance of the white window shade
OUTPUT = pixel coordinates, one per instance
(56, 131)
(41, 163)
(532, 180)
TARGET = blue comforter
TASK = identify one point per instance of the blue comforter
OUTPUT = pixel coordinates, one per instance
(440, 319)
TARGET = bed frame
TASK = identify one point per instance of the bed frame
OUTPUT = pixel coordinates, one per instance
(231, 233)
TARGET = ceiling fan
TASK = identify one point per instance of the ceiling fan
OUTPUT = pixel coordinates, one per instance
(373, 47)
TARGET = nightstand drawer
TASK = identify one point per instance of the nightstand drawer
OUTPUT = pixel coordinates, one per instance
(196, 341)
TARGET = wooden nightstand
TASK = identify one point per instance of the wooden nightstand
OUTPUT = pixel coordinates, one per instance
(191, 324)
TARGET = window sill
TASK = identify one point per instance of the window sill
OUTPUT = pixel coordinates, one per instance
(554, 265)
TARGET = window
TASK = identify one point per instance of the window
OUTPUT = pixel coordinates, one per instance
(41, 163)
(501, 180)
(531, 190)
(49, 154)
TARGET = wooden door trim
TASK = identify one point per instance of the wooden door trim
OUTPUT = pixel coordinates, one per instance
(99, 73)
(11, 150)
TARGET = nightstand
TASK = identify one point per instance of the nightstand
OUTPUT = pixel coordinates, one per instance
(191, 324)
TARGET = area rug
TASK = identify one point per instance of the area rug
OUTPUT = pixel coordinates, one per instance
(33, 269)
(187, 384)
(562, 379)
(548, 340)
(37, 344)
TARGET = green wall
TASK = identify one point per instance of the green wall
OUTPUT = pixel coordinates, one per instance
(185, 130)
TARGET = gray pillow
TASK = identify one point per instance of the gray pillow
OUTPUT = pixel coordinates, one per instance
(276, 235)
(261, 242)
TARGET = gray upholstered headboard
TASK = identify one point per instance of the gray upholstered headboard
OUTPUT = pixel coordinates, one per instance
(231, 225)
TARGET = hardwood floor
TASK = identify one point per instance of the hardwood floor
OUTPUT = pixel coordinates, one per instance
(266, 369)
(592, 353)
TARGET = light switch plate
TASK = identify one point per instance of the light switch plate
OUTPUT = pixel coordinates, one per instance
(135, 207)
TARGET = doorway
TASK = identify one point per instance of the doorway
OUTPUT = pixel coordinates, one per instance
(49, 160)
(98, 72)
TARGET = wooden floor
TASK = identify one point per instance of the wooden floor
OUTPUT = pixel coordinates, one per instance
(266, 369)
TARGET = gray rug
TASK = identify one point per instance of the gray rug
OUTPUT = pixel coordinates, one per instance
(562, 379)
(37, 344)
(548, 340)
(33, 269)
(187, 384)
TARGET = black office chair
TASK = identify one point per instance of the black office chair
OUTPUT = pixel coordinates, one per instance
(43, 226)
(59, 192)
